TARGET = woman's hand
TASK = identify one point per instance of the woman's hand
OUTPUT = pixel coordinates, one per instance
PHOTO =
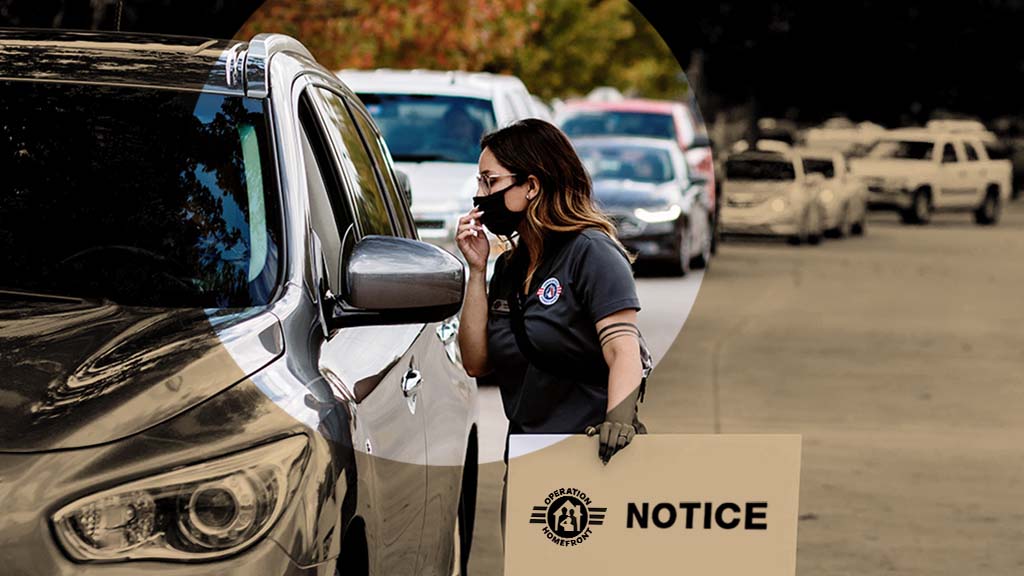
(472, 240)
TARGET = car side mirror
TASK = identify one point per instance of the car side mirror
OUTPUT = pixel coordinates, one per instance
(405, 185)
(701, 141)
(388, 280)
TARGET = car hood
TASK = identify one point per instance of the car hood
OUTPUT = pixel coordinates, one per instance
(440, 187)
(628, 194)
(78, 373)
(870, 167)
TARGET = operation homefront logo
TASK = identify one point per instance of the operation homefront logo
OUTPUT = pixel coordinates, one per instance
(567, 515)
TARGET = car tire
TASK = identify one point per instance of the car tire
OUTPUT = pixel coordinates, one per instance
(680, 265)
(815, 233)
(860, 227)
(919, 211)
(988, 213)
(703, 260)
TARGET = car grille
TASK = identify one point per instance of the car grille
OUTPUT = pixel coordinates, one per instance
(430, 224)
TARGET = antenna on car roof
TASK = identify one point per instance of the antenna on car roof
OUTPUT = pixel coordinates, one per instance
(117, 20)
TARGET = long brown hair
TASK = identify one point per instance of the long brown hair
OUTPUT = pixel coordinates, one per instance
(565, 201)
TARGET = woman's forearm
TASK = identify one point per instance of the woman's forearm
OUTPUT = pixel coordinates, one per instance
(625, 370)
(473, 326)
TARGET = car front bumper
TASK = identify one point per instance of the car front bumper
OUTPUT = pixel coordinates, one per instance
(881, 197)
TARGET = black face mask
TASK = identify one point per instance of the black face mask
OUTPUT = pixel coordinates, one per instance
(497, 217)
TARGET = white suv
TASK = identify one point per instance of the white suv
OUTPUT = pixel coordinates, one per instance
(433, 122)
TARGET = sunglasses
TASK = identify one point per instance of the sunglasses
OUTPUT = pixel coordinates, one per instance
(485, 181)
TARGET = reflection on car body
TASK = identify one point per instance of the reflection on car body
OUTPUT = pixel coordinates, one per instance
(221, 342)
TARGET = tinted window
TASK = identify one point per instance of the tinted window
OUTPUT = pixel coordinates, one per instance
(627, 163)
(972, 154)
(948, 154)
(328, 210)
(427, 128)
(379, 151)
(751, 169)
(902, 150)
(367, 197)
(601, 123)
(139, 196)
(819, 166)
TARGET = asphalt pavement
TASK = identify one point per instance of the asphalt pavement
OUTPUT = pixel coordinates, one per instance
(899, 359)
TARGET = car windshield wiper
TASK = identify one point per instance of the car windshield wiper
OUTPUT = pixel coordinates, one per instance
(423, 158)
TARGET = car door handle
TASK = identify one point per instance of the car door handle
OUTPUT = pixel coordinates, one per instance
(448, 330)
(411, 382)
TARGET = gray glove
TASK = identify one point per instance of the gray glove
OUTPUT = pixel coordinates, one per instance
(617, 430)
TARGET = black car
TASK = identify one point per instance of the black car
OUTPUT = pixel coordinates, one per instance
(662, 213)
(222, 348)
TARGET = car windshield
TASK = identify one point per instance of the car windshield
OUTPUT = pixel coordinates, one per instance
(758, 169)
(902, 150)
(138, 196)
(428, 128)
(607, 123)
(821, 166)
(637, 163)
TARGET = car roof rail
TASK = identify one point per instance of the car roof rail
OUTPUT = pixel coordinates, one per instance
(257, 55)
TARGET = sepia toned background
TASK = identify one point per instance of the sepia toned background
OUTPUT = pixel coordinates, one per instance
(897, 356)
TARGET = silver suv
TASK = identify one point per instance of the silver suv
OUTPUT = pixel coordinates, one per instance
(223, 348)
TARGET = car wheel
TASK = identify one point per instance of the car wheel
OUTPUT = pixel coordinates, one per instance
(703, 260)
(860, 227)
(815, 233)
(920, 210)
(680, 265)
(988, 213)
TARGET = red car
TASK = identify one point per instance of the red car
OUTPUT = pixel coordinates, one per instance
(668, 119)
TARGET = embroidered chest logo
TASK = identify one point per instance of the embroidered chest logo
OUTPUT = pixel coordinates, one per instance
(549, 291)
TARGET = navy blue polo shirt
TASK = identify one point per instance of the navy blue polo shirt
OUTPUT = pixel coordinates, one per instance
(583, 277)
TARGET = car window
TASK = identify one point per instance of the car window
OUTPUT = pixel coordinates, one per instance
(378, 149)
(948, 154)
(604, 123)
(757, 169)
(329, 212)
(179, 211)
(367, 197)
(431, 128)
(902, 150)
(821, 166)
(618, 162)
(972, 153)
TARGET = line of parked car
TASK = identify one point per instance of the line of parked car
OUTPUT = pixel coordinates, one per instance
(650, 160)
(822, 181)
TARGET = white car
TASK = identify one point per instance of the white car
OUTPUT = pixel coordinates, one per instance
(842, 197)
(766, 192)
(920, 171)
(432, 122)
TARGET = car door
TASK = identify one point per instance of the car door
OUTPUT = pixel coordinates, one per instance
(951, 176)
(978, 171)
(376, 365)
(448, 392)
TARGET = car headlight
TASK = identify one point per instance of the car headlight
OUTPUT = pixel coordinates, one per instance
(779, 204)
(651, 216)
(200, 512)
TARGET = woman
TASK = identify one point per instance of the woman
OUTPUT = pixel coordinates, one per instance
(556, 328)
